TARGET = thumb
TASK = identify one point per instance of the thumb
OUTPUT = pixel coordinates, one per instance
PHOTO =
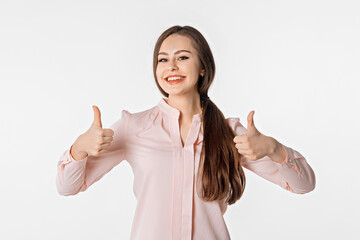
(250, 120)
(97, 117)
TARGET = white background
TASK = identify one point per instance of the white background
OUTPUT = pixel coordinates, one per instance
(296, 63)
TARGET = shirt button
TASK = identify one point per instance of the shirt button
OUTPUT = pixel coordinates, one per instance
(290, 160)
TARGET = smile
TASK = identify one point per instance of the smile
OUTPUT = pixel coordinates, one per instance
(174, 80)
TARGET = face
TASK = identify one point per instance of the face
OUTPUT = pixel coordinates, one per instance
(178, 58)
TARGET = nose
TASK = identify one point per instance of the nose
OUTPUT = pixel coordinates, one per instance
(172, 65)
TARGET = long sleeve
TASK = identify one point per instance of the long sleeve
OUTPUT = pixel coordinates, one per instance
(294, 174)
(75, 176)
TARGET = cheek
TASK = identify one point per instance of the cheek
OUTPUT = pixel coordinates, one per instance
(192, 69)
(159, 70)
(158, 75)
(194, 72)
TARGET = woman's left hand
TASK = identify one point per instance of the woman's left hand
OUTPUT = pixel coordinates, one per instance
(253, 144)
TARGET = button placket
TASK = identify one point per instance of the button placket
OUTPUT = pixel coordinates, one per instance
(177, 181)
(187, 192)
(189, 179)
(183, 172)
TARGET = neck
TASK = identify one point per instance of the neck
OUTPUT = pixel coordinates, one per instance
(187, 105)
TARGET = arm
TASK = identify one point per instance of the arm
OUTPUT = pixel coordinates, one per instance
(74, 176)
(293, 173)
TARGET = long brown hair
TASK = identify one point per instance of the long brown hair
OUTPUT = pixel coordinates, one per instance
(221, 172)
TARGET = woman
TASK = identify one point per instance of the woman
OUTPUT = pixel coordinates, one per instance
(186, 157)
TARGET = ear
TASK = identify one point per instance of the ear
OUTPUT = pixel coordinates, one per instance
(202, 72)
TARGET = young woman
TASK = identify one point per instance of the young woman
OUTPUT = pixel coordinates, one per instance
(186, 157)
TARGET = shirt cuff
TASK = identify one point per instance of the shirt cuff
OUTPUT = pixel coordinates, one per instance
(289, 161)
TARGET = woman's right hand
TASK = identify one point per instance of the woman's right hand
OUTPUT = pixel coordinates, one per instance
(94, 141)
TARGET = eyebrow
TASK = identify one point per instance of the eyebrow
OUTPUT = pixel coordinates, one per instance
(179, 51)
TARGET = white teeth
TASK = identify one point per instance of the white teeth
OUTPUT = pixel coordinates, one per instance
(174, 78)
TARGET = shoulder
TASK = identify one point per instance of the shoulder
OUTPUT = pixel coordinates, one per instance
(142, 116)
(236, 126)
(233, 121)
(138, 121)
(127, 118)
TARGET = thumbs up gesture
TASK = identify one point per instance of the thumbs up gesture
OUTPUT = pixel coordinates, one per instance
(253, 144)
(94, 141)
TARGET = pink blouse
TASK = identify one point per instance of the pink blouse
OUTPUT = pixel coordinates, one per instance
(165, 173)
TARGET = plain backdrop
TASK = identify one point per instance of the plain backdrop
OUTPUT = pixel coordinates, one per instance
(296, 63)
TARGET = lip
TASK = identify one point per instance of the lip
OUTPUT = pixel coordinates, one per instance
(174, 82)
(173, 76)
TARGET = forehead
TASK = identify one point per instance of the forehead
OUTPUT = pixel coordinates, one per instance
(176, 42)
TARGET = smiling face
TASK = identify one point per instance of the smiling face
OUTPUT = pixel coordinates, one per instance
(178, 58)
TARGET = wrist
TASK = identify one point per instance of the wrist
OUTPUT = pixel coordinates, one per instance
(277, 152)
(77, 154)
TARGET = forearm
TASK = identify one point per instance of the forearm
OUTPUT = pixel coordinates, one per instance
(70, 174)
(297, 174)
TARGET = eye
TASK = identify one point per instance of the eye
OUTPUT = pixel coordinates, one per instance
(161, 60)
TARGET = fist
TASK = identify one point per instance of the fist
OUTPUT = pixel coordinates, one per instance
(253, 144)
(96, 140)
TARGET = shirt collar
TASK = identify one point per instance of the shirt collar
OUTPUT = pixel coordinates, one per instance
(173, 112)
